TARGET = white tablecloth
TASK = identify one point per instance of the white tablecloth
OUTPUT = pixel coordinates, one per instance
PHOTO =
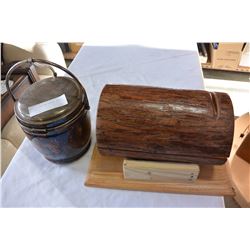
(32, 181)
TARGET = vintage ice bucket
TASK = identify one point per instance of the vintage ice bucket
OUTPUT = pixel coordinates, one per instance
(54, 114)
(165, 124)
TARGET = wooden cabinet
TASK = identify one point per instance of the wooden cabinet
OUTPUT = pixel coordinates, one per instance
(70, 49)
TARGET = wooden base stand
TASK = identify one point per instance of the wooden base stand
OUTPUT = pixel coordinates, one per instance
(107, 172)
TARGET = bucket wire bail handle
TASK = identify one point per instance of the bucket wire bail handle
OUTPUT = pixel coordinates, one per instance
(32, 61)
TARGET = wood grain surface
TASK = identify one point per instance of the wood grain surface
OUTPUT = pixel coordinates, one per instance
(107, 172)
(159, 171)
(165, 124)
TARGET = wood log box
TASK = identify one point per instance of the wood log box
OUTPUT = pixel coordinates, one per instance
(152, 123)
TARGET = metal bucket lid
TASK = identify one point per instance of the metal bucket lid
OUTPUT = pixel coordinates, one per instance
(50, 102)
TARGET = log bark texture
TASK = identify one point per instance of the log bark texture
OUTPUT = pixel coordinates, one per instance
(152, 123)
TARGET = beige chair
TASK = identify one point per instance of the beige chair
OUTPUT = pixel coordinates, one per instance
(47, 51)
(12, 135)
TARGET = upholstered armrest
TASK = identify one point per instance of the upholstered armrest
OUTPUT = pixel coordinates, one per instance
(8, 150)
(21, 51)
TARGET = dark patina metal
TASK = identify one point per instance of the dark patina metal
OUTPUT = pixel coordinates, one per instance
(61, 134)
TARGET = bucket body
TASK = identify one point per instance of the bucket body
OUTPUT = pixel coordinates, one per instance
(65, 143)
(54, 114)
